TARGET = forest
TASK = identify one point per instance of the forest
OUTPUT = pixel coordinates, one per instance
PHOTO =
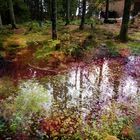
(69, 70)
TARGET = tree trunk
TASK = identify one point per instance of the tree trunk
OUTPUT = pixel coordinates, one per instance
(79, 8)
(106, 11)
(41, 13)
(12, 15)
(54, 19)
(67, 12)
(0, 21)
(83, 15)
(125, 21)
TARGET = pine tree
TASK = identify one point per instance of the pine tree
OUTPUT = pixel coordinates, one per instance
(106, 11)
(83, 14)
(67, 12)
(0, 21)
(125, 21)
(54, 19)
(12, 15)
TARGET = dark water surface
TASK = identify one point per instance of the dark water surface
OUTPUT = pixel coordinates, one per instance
(86, 87)
(83, 94)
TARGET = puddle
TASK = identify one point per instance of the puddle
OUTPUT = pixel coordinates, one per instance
(107, 78)
(89, 90)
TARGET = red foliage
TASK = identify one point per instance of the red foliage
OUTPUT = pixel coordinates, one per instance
(51, 125)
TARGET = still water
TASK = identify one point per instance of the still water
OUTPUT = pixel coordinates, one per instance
(84, 87)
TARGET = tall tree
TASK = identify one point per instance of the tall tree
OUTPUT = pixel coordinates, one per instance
(67, 12)
(0, 21)
(12, 15)
(106, 10)
(3, 8)
(125, 21)
(54, 19)
(83, 14)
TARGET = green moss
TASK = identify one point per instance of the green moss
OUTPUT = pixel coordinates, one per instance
(47, 49)
(4, 33)
(75, 22)
(135, 47)
(113, 49)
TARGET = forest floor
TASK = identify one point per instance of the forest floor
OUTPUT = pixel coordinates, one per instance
(32, 44)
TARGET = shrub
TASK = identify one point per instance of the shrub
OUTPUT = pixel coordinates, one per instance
(112, 48)
(34, 27)
(20, 111)
(31, 98)
(135, 47)
(7, 88)
(47, 49)
(2, 125)
(74, 50)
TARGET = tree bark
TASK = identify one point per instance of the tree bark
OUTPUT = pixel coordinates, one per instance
(12, 15)
(41, 13)
(54, 19)
(0, 21)
(83, 15)
(125, 21)
(67, 12)
(106, 11)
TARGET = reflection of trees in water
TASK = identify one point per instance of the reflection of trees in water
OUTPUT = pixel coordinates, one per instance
(58, 84)
(81, 89)
(91, 89)
(95, 103)
(116, 73)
